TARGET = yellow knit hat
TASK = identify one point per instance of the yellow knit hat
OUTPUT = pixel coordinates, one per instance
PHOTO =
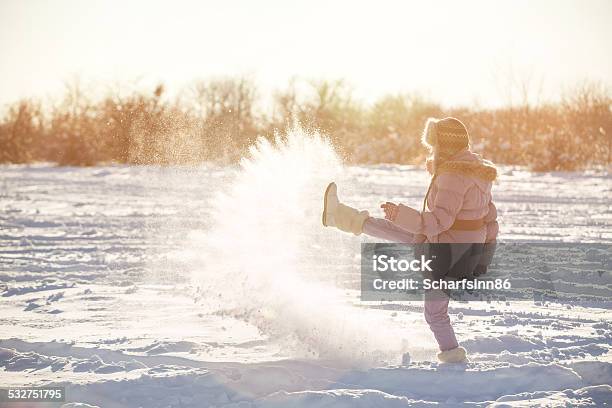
(449, 135)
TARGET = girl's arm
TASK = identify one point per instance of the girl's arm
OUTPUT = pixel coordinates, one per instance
(448, 202)
(490, 242)
(491, 223)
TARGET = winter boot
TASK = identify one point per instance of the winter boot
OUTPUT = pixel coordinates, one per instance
(456, 355)
(343, 217)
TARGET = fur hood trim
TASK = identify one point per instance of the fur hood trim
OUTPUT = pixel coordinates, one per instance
(482, 169)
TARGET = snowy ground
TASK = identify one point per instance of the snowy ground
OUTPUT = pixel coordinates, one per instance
(140, 286)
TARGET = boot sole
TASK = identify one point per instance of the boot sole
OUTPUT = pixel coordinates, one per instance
(324, 216)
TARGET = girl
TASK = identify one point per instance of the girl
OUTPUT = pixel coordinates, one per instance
(456, 209)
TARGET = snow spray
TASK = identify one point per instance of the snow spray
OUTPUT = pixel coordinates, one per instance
(267, 249)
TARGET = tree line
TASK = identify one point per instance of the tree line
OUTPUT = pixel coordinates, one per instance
(218, 120)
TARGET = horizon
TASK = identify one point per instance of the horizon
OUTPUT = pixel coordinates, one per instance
(360, 43)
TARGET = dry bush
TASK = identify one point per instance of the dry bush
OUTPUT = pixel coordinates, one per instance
(225, 116)
(72, 133)
(587, 127)
(129, 122)
(217, 121)
(20, 133)
(325, 106)
(394, 127)
(571, 135)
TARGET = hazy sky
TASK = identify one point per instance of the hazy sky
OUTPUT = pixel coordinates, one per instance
(453, 51)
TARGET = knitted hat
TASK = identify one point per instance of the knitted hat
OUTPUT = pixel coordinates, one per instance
(449, 135)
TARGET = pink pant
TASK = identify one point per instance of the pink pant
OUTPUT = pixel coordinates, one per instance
(436, 316)
(436, 302)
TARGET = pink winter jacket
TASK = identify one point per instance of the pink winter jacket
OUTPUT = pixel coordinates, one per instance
(461, 191)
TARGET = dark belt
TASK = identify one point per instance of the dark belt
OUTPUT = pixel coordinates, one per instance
(468, 225)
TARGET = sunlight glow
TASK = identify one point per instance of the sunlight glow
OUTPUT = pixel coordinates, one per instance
(455, 52)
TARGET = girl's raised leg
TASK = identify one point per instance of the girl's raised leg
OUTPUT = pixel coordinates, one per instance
(385, 229)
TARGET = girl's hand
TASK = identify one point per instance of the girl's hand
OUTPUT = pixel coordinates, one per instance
(391, 210)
